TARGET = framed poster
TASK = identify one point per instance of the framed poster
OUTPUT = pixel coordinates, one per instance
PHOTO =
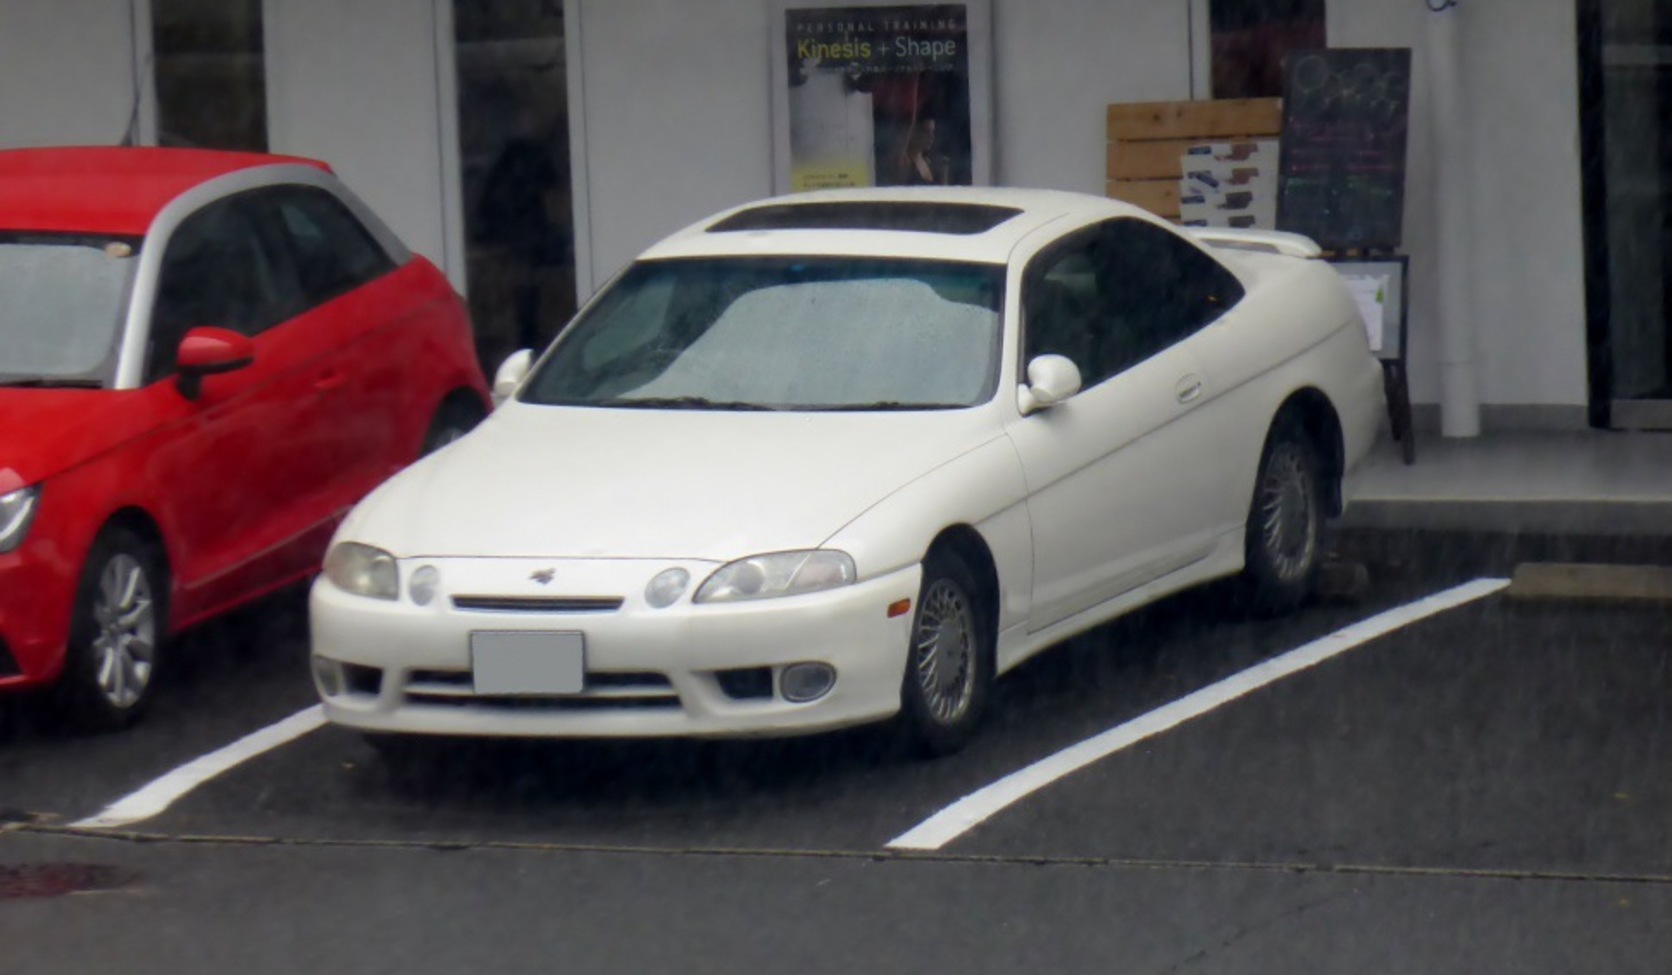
(870, 93)
(1378, 287)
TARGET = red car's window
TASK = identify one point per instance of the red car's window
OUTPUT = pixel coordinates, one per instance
(332, 251)
(219, 270)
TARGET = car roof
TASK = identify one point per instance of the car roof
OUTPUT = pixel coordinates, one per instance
(115, 190)
(913, 222)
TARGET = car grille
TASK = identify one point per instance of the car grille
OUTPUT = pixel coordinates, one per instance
(602, 692)
(538, 604)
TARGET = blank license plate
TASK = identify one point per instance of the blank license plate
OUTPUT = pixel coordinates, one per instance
(528, 663)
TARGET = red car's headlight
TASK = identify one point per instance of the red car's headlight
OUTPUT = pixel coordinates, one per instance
(17, 510)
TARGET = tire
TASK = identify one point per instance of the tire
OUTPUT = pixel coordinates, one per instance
(949, 663)
(116, 628)
(1285, 536)
(454, 419)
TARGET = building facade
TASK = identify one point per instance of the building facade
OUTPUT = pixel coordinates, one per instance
(1535, 205)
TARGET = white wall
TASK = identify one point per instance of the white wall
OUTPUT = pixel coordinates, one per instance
(1058, 66)
(678, 105)
(678, 125)
(1521, 180)
(1521, 64)
(677, 117)
(367, 86)
(68, 71)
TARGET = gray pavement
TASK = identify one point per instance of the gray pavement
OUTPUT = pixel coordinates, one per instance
(1483, 791)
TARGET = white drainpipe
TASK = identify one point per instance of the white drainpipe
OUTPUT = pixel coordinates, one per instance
(1450, 163)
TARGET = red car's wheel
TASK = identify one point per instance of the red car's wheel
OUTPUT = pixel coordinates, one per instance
(117, 627)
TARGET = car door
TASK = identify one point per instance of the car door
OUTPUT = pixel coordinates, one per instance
(242, 465)
(1123, 476)
(363, 319)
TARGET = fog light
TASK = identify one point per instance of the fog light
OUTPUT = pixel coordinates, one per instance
(328, 674)
(801, 683)
(424, 584)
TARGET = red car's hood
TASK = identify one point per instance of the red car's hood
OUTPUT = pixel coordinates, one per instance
(46, 431)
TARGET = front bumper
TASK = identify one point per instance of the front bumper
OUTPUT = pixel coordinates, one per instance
(37, 589)
(688, 670)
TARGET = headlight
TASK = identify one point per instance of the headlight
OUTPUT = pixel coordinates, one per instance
(665, 590)
(363, 570)
(17, 510)
(778, 574)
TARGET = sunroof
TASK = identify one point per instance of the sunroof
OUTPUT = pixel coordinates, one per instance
(910, 215)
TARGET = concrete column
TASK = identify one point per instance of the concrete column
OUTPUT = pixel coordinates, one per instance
(1450, 164)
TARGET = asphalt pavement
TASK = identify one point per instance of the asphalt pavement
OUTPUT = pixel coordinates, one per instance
(1483, 789)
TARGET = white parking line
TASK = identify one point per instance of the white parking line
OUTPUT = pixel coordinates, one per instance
(972, 810)
(155, 797)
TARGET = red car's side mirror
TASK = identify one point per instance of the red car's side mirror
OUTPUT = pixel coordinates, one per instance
(208, 351)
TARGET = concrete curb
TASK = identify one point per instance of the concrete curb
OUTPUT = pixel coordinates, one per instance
(1591, 581)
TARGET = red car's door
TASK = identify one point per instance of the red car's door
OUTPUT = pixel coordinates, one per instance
(242, 504)
(365, 312)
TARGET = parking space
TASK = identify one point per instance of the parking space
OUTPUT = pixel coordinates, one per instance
(1483, 786)
(1501, 735)
(851, 790)
(218, 682)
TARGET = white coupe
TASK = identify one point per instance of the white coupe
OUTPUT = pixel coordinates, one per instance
(844, 456)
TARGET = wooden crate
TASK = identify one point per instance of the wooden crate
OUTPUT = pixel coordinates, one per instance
(1146, 140)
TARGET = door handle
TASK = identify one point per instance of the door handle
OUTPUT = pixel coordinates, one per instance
(329, 381)
(1188, 389)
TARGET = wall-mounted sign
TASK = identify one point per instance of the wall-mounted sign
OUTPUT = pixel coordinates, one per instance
(1341, 173)
(881, 94)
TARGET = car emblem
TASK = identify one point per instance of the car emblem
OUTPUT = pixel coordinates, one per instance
(542, 576)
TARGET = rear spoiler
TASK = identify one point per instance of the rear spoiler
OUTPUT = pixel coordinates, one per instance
(1273, 241)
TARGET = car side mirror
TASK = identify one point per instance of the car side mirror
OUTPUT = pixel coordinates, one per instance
(1051, 379)
(511, 374)
(208, 352)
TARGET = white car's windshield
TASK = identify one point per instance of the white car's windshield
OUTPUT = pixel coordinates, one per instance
(793, 334)
(63, 306)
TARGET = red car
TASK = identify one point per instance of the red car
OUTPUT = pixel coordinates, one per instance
(205, 359)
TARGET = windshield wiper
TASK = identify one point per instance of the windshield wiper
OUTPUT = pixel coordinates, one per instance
(885, 405)
(683, 403)
(68, 383)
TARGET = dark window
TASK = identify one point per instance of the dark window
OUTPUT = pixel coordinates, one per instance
(219, 270)
(210, 75)
(1063, 302)
(1250, 38)
(333, 252)
(1111, 296)
(929, 218)
(1162, 289)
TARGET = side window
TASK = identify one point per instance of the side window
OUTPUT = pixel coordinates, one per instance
(1061, 303)
(218, 270)
(1159, 290)
(332, 251)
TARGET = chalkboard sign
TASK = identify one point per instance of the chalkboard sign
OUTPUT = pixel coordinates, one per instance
(1341, 165)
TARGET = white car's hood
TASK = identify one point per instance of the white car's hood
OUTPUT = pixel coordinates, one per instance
(564, 482)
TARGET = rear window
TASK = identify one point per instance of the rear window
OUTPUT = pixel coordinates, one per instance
(963, 219)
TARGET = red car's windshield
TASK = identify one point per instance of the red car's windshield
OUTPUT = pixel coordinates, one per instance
(64, 301)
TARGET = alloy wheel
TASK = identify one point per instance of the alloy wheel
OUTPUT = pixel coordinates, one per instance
(125, 639)
(1288, 515)
(944, 651)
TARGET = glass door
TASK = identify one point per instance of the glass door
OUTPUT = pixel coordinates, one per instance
(1627, 61)
(514, 155)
